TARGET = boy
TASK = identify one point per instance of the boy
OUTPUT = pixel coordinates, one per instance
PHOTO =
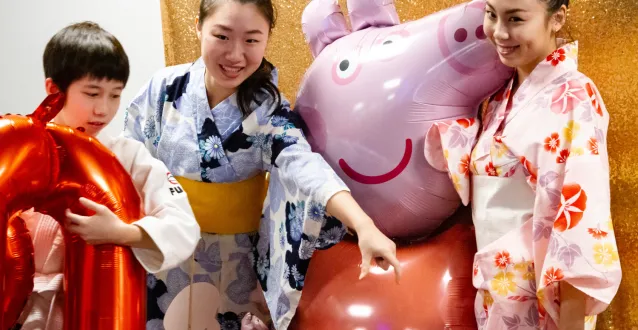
(90, 66)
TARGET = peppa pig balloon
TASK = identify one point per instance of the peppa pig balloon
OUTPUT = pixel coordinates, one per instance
(372, 93)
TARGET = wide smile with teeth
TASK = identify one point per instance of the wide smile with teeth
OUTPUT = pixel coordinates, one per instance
(506, 50)
(230, 69)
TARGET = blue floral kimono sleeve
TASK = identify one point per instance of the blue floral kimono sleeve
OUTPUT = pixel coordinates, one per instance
(294, 222)
(142, 120)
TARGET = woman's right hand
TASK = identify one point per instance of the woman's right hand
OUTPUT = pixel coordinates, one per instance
(373, 244)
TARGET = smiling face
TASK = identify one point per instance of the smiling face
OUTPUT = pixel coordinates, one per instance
(522, 31)
(233, 42)
(370, 97)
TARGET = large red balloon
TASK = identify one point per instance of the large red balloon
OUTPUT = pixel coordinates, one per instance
(435, 292)
(49, 167)
(27, 172)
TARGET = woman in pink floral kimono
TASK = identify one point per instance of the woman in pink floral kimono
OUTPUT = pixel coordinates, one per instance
(535, 167)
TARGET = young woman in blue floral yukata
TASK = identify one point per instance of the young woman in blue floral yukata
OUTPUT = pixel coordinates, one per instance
(536, 170)
(219, 124)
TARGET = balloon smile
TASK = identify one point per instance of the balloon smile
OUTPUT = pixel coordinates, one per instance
(383, 178)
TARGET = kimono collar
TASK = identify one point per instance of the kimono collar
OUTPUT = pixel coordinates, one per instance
(565, 58)
(559, 62)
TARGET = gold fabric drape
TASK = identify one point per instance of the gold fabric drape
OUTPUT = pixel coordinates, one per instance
(608, 35)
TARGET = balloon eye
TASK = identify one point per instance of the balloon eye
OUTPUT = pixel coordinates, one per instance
(343, 66)
(391, 45)
(346, 69)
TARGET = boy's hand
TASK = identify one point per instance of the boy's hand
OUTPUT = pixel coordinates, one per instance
(101, 228)
(252, 322)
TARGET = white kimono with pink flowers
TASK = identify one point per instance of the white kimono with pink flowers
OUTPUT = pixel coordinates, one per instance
(537, 174)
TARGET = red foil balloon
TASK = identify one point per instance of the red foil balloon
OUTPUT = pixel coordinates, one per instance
(20, 268)
(28, 168)
(435, 292)
(105, 285)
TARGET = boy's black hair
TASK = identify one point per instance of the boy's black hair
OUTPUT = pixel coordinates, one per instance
(84, 49)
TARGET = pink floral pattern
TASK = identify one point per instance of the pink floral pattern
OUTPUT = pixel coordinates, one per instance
(568, 96)
(556, 57)
(552, 142)
(593, 97)
(554, 133)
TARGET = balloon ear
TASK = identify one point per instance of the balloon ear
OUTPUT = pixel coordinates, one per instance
(366, 13)
(322, 23)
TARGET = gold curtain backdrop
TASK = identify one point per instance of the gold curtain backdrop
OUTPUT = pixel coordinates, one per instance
(607, 32)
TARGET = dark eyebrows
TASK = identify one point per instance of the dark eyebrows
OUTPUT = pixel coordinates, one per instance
(223, 27)
(509, 11)
(514, 11)
(92, 86)
(228, 29)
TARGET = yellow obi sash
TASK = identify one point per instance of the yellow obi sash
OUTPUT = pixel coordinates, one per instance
(227, 208)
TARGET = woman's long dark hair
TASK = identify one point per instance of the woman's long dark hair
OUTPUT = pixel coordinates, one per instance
(259, 84)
